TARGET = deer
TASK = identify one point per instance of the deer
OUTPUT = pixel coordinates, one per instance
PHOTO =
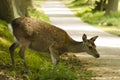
(41, 36)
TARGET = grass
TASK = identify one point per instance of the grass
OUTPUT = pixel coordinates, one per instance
(109, 23)
(35, 13)
(39, 64)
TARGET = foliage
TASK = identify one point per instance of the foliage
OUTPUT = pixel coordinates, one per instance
(5, 38)
(108, 23)
(4, 32)
(79, 3)
(100, 18)
(33, 12)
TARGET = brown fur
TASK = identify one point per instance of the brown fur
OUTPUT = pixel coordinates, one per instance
(44, 37)
(35, 31)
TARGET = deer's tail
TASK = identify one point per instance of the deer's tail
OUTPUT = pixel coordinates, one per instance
(11, 31)
(10, 28)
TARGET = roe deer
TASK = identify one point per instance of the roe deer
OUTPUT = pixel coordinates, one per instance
(44, 37)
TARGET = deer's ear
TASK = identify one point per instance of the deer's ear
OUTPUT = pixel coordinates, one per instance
(84, 37)
(94, 38)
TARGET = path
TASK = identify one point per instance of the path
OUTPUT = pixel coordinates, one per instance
(107, 67)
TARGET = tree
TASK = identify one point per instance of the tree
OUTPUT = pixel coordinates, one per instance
(112, 6)
(100, 5)
(6, 10)
(10, 9)
(21, 7)
(29, 3)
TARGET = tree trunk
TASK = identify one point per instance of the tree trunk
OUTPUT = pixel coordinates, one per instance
(10, 9)
(6, 10)
(21, 6)
(112, 6)
(100, 5)
(29, 3)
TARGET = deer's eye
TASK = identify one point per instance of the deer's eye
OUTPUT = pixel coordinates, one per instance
(90, 47)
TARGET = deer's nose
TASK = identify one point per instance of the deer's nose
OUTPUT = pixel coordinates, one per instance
(97, 56)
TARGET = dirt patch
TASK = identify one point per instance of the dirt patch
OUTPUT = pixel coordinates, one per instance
(7, 72)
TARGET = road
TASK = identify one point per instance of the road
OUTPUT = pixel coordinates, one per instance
(107, 67)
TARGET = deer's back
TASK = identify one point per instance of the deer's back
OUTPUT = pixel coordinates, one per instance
(40, 34)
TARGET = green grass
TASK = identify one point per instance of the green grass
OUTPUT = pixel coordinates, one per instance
(35, 13)
(109, 23)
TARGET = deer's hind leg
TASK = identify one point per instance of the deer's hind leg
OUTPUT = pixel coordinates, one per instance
(11, 50)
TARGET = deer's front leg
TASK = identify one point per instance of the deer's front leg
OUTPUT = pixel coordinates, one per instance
(54, 55)
(21, 54)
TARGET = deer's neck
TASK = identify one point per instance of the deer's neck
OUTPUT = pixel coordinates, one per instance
(76, 47)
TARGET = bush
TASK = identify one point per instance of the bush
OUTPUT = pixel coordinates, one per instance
(99, 18)
(92, 18)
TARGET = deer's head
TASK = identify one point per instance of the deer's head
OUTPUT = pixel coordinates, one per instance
(90, 46)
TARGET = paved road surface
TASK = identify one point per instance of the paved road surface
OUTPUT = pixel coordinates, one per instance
(107, 67)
